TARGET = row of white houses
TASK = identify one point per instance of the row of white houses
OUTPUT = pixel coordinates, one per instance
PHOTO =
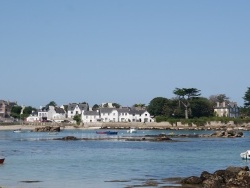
(116, 115)
(58, 114)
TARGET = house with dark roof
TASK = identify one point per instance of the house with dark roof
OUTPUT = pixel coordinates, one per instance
(52, 113)
(33, 117)
(75, 109)
(91, 116)
(116, 115)
(56, 113)
(43, 113)
(229, 109)
(5, 108)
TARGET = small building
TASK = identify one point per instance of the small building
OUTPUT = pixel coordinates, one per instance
(5, 108)
(75, 109)
(90, 116)
(227, 109)
(33, 117)
(42, 114)
(56, 113)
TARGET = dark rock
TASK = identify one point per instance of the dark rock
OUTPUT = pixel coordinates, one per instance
(205, 175)
(67, 138)
(231, 177)
(47, 129)
(192, 180)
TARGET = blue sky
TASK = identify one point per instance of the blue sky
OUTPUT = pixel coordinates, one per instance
(127, 51)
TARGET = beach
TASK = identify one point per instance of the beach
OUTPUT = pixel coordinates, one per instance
(128, 125)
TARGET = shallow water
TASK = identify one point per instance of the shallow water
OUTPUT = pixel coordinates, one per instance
(35, 160)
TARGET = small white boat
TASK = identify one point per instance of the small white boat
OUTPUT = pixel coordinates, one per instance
(17, 131)
(245, 155)
(132, 130)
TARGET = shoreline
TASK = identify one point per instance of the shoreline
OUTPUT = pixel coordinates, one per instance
(139, 126)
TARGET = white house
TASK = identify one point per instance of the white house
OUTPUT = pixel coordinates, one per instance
(75, 109)
(43, 114)
(123, 115)
(116, 115)
(90, 116)
(33, 117)
(109, 114)
(227, 110)
(56, 113)
(140, 116)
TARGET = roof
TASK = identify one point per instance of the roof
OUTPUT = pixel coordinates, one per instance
(137, 111)
(107, 110)
(82, 106)
(59, 110)
(91, 113)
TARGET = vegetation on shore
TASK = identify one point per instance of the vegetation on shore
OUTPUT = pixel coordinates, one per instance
(189, 107)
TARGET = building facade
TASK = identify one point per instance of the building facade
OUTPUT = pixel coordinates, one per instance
(227, 109)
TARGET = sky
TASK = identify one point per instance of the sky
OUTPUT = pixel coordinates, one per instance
(122, 51)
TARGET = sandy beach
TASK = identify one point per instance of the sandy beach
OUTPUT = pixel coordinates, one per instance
(32, 127)
(127, 125)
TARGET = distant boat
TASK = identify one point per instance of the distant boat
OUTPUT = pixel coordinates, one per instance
(107, 132)
(132, 130)
(1, 160)
(17, 131)
(112, 132)
(245, 155)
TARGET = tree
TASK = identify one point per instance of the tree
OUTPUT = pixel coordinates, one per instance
(77, 118)
(201, 107)
(155, 107)
(172, 109)
(27, 111)
(15, 111)
(95, 107)
(51, 103)
(106, 105)
(219, 98)
(247, 98)
(185, 95)
(116, 105)
(139, 106)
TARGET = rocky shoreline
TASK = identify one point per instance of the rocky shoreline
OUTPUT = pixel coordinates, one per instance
(230, 177)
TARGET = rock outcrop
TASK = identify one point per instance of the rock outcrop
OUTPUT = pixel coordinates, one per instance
(228, 134)
(47, 129)
(67, 138)
(229, 178)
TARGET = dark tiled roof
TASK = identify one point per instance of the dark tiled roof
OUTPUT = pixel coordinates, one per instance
(82, 106)
(91, 113)
(137, 111)
(59, 110)
(107, 110)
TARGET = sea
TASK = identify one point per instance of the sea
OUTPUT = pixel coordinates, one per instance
(36, 160)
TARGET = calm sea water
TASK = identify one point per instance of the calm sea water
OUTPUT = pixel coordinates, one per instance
(34, 160)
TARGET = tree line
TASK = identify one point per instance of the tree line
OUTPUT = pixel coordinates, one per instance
(188, 103)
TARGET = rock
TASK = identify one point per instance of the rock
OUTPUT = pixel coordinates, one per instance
(47, 129)
(67, 138)
(192, 180)
(230, 177)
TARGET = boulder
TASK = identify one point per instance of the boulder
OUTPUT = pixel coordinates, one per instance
(67, 138)
(192, 180)
(47, 129)
(230, 177)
